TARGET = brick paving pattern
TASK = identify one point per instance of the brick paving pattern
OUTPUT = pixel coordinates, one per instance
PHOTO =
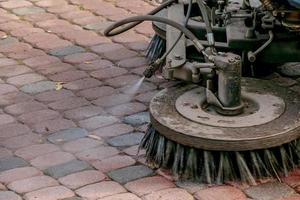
(69, 128)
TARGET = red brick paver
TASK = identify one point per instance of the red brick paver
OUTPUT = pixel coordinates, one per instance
(31, 184)
(98, 190)
(80, 179)
(145, 186)
(18, 174)
(50, 193)
(221, 192)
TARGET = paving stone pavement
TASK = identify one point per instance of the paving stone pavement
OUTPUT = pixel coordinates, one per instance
(69, 128)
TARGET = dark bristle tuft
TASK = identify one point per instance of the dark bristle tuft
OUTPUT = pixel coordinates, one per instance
(219, 167)
(156, 49)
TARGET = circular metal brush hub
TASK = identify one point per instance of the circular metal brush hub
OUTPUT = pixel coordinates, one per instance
(259, 109)
(271, 119)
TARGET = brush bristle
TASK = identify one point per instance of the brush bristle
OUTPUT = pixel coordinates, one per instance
(156, 49)
(219, 167)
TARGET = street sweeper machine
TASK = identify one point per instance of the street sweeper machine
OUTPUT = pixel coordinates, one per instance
(222, 122)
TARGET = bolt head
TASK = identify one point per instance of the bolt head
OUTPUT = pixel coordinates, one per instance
(230, 60)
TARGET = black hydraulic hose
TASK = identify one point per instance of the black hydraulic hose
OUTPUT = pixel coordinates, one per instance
(210, 36)
(156, 65)
(130, 26)
(142, 18)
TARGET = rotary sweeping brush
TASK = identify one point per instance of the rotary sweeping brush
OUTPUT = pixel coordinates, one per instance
(221, 123)
(219, 166)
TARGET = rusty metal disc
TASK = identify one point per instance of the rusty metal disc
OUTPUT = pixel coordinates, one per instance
(272, 119)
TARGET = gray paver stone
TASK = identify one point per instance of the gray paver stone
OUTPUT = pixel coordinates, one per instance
(38, 87)
(285, 81)
(131, 173)
(8, 40)
(67, 168)
(290, 69)
(126, 140)
(99, 26)
(64, 51)
(28, 10)
(11, 163)
(67, 135)
(8, 195)
(137, 119)
(269, 191)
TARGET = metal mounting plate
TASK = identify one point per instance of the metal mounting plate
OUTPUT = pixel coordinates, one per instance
(283, 129)
(259, 109)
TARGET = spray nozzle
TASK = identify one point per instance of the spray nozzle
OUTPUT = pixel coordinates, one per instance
(150, 71)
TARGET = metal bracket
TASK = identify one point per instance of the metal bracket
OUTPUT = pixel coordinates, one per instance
(228, 100)
(178, 54)
(212, 99)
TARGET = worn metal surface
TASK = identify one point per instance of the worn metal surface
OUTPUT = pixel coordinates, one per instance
(177, 56)
(229, 70)
(233, 37)
(283, 129)
(259, 109)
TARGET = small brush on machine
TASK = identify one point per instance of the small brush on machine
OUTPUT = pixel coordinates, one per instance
(156, 49)
(157, 45)
(218, 125)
